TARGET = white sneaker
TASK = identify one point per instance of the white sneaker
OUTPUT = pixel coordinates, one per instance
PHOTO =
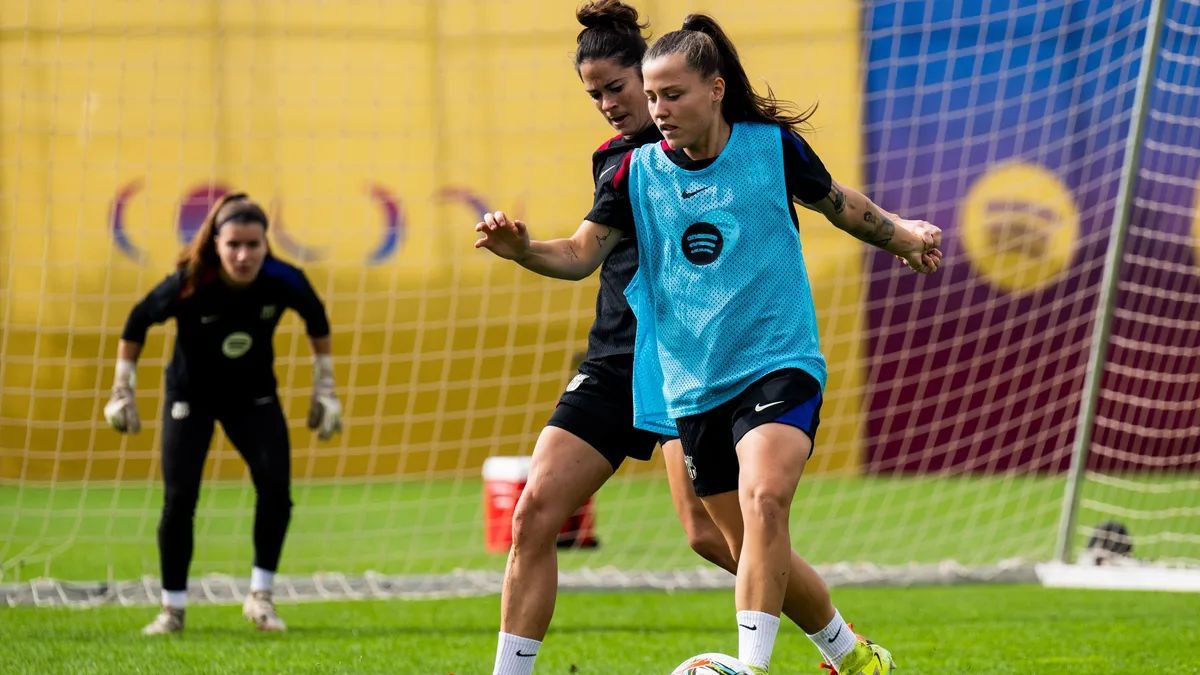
(168, 621)
(260, 609)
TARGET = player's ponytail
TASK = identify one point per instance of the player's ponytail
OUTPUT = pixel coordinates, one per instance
(199, 260)
(709, 51)
(610, 31)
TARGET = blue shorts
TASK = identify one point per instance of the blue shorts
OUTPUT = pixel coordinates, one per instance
(790, 396)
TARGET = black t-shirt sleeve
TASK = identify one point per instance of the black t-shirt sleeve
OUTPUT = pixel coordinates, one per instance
(598, 168)
(158, 306)
(807, 178)
(612, 206)
(308, 304)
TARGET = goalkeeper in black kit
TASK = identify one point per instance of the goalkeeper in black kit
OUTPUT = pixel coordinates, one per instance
(226, 295)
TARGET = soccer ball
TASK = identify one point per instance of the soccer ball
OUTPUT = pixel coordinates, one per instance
(711, 664)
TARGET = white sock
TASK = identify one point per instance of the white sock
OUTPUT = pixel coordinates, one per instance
(176, 599)
(756, 637)
(515, 655)
(261, 580)
(835, 641)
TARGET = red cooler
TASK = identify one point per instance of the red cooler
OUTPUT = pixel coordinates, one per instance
(503, 480)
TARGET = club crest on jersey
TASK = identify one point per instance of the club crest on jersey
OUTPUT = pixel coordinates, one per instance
(236, 344)
(180, 410)
(702, 243)
(268, 312)
(576, 381)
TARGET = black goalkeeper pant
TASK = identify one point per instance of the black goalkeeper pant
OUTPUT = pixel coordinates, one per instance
(259, 432)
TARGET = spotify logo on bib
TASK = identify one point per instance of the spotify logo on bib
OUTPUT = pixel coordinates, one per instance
(702, 243)
(236, 344)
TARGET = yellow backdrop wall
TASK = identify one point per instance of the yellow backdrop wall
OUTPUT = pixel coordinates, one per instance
(332, 113)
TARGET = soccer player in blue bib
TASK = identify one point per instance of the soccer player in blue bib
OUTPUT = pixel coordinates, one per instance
(790, 389)
(727, 333)
(744, 380)
(591, 431)
(226, 296)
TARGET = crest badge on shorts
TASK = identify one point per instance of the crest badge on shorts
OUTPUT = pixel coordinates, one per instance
(691, 468)
(576, 381)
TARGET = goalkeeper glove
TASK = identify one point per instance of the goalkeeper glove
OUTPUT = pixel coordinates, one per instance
(121, 410)
(325, 412)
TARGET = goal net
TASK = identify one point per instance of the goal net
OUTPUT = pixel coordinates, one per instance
(1135, 501)
(378, 132)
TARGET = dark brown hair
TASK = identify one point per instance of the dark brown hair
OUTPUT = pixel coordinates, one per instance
(200, 259)
(610, 31)
(708, 51)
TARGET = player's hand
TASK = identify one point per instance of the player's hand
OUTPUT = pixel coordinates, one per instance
(121, 410)
(924, 253)
(325, 410)
(504, 236)
(325, 415)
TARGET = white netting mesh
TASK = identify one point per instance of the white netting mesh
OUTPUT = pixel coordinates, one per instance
(1145, 450)
(378, 131)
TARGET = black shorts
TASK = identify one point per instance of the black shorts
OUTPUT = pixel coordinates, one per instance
(790, 396)
(598, 408)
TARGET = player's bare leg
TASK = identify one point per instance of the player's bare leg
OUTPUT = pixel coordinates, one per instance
(703, 535)
(771, 459)
(565, 471)
(806, 600)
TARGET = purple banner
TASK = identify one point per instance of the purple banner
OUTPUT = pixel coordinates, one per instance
(1005, 125)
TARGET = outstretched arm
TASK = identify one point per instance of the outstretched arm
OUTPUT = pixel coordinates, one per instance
(915, 242)
(572, 258)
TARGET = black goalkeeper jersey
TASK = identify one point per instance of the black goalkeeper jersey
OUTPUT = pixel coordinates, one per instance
(614, 328)
(224, 351)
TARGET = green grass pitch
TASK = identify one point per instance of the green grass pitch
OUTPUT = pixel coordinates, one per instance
(956, 629)
(93, 532)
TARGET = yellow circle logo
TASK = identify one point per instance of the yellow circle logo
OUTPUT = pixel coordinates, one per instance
(1019, 226)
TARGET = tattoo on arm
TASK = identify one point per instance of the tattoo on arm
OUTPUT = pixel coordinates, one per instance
(607, 233)
(838, 199)
(571, 251)
(880, 229)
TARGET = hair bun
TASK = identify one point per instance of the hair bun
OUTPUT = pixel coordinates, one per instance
(701, 23)
(609, 15)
